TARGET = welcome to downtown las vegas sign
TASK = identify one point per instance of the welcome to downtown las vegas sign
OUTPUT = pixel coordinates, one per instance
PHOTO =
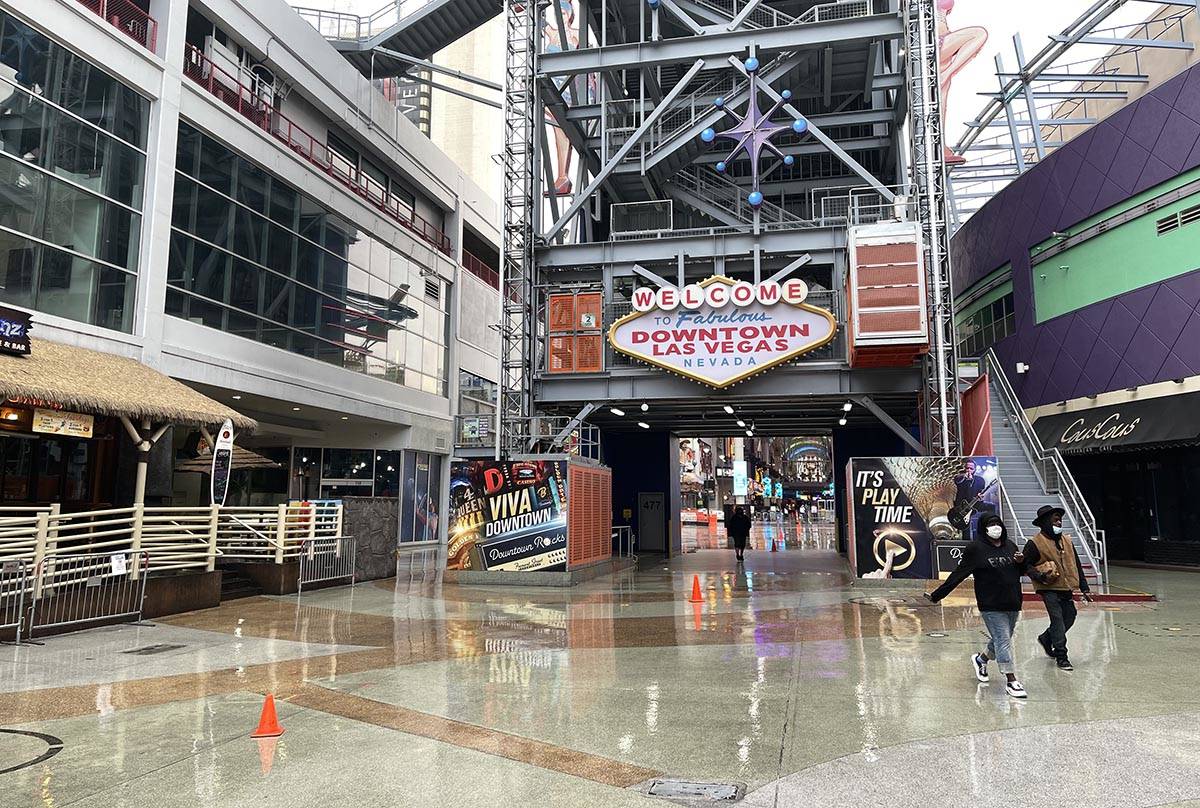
(720, 331)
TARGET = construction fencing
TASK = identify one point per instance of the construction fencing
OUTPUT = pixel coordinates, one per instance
(326, 560)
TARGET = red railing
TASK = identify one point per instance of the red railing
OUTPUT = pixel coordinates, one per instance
(126, 18)
(480, 270)
(977, 418)
(256, 107)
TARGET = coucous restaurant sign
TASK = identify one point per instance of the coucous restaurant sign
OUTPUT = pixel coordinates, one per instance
(720, 331)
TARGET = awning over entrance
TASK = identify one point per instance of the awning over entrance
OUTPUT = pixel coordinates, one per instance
(1167, 419)
(242, 459)
(66, 377)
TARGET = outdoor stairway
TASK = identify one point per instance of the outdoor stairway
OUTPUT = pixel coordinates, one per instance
(1023, 488)
(235, 585)
(706, 191)
(418, 28)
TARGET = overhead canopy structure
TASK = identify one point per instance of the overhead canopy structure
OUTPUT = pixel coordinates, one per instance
(54, 374)
(148, 403)
(242, 459)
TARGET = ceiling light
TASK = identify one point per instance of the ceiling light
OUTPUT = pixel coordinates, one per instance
(643, 425)
(842, 421)
(345, 417)
(645, 406)
(295, 409)
(847, 407)
(741, 423)
(237, 398)
(729, 409)
(749, 434)
(616, 411)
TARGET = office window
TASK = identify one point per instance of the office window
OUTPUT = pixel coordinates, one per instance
(72, 168)
(252, 256)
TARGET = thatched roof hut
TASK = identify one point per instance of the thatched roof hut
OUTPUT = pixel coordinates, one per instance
(89, 381)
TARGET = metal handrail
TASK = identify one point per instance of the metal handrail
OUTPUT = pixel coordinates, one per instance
(391, 14)
(1006, 502)
(1064, 484)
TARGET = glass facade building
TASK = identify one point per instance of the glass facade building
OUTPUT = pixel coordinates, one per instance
(252, 256)
(413, 477)
(72, 168)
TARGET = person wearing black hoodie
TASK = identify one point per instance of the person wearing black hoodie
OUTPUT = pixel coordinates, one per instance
(997, 564)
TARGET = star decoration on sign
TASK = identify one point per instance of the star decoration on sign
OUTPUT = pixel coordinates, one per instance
(753, 130)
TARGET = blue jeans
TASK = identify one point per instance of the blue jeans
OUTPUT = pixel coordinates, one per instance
(1000, 627)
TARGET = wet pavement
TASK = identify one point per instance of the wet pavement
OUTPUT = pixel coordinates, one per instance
(787, 679)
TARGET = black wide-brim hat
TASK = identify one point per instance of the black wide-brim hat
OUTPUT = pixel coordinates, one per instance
(1045, 511)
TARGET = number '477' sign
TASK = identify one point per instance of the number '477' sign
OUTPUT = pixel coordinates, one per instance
(14, 331)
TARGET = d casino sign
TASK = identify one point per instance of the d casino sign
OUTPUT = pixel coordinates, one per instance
(721, 331)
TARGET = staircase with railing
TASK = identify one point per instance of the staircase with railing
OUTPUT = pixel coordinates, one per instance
(725, 201)
(673, 139)
(1034, 476)
(417, 28)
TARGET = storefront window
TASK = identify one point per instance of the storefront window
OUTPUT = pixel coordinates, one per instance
(337, 473)
(253, 257)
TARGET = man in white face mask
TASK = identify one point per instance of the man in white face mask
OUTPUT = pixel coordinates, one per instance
(996, 564)
(1054, 567)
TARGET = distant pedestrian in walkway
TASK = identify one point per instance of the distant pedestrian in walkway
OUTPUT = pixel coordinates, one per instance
(739, 530)
(997, 565)
(1056, 572)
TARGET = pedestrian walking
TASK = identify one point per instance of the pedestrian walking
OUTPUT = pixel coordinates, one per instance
(739, 530)
(997, 564)
(1056, 573)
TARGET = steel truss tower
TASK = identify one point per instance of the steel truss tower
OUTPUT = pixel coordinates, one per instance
(516, 287)
(943, 426)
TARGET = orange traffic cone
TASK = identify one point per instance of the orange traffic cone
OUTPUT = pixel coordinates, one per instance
(696, 596)
(268, 723)
(696, 607)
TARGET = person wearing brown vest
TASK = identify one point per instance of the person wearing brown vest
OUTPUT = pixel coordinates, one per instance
(1056, 573)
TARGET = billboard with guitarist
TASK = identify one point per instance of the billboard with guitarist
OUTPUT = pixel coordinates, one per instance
(905, 511)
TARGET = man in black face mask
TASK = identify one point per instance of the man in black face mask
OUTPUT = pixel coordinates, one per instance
(1054, 567)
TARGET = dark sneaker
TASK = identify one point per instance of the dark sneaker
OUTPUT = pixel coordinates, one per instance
(1064, 664)
(1015, 689)
(1044, 641)
(979, 663)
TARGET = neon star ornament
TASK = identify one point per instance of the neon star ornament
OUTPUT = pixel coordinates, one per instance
(753, 131)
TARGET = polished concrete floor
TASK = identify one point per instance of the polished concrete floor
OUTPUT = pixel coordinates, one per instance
(787, 679)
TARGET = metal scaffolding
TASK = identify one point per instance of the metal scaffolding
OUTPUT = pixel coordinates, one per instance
(516, 284)
(943, 428)
(1083, 74)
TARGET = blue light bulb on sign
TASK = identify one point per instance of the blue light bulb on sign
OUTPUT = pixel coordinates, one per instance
(752, 64)
(789, 160)
(721, 167)
(786, 94)
(653, 3)
(755, 198)
(708, 135)
(800, 126)
(719, 101)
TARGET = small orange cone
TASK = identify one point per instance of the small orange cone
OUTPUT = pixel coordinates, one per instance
(696, 596)
(268, 723)
(696, 607)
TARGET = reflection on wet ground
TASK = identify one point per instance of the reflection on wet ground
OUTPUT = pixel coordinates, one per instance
(787, 678)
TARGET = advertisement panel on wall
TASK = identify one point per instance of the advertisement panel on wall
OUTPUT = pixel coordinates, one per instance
(908, 507)
(741, 479)
(508, 515)
(722, 331)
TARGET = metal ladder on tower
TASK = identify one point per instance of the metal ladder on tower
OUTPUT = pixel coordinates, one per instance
(516, 287)
(943, 425)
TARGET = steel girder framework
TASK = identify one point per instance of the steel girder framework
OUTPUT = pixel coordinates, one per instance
(632, 97)
(943, 428)
(1084, 73)
(521, 153)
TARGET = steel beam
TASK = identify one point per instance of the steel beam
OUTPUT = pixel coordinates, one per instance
(822, 242)
(581, 197)
(1125, 42)
(890, 423)
(716, 46)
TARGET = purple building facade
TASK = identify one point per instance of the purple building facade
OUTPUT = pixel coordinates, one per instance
(1148, 335)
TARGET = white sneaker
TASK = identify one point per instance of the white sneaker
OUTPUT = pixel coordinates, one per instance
(1015, 689)
(979, 663)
